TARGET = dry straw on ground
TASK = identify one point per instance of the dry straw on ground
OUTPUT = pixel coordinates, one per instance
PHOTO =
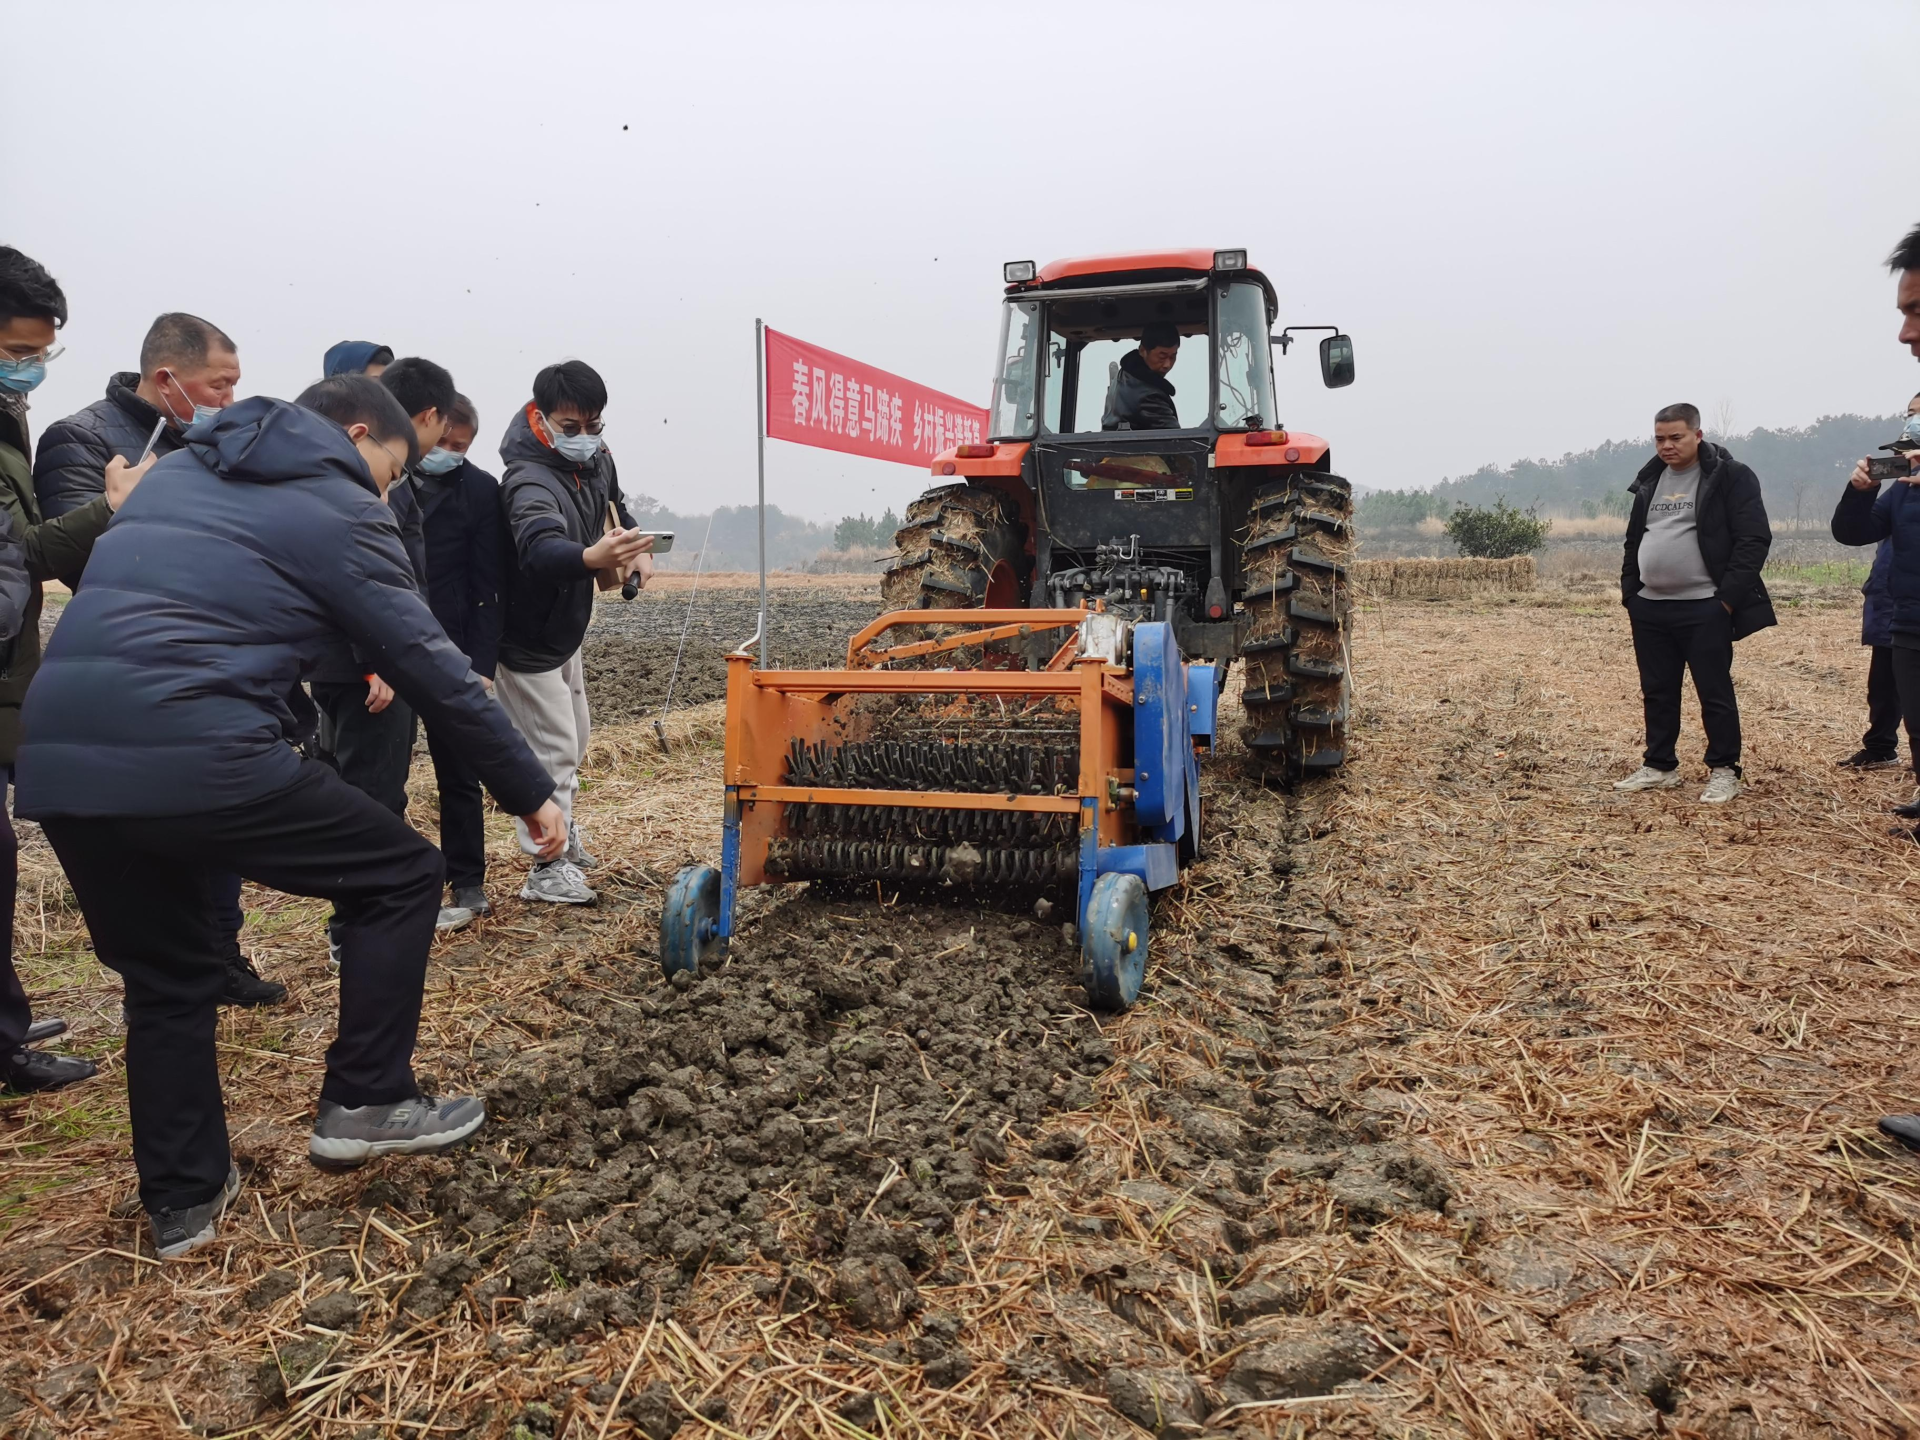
(1440, 579)
(1645, 1042)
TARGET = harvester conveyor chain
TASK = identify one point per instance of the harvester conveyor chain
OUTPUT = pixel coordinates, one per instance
(962, 864)
(965, 767)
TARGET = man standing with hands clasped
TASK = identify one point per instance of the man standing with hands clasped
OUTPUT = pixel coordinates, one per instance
(1690, 580)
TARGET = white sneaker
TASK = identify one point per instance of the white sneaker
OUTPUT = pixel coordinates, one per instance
(558, 882)
(453, 917)
(1648, 778)
(1722, 785)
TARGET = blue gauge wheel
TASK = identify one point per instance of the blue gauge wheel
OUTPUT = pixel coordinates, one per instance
(690, 924)
(1114, 941)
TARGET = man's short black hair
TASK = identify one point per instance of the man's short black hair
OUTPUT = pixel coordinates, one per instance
(462, 413)
(1906, 255)
(419, 385)
(178, 338)
(360, 400)
(571, 382)
(1687, 415)
(27, 289)
(1160, 336)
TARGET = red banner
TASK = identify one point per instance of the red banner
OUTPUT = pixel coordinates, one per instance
(815, 397)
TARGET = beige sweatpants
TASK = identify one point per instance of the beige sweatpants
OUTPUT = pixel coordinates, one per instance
(549, 709)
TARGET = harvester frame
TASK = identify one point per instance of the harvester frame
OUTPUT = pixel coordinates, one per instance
(1145, 714)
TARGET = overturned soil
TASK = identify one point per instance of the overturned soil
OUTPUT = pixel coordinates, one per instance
(629, 651)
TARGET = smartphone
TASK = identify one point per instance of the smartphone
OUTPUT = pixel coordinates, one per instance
(1889, 467)
(152, 440)
(662, 540)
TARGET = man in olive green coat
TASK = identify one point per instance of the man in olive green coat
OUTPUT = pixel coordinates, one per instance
(32, 308)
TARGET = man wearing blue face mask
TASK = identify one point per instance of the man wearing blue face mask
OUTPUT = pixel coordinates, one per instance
(189, 371)
(32, 308)
(559, 485)
(466, 563)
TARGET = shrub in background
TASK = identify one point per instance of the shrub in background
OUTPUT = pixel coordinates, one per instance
(1497, 531)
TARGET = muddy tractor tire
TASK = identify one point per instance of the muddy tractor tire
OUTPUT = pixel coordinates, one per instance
(1298, 546)
(960, 549)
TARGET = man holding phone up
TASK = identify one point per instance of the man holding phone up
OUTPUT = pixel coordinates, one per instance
(559, 488)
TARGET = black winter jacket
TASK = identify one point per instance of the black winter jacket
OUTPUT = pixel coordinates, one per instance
(1141, 399)
(554, 510)
(171, 686)
(1730, 519)
(344, 666)
(466, 540)
(1861, 518)
(71, 468)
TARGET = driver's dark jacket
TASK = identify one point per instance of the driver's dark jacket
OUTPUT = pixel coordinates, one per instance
(1141, 400)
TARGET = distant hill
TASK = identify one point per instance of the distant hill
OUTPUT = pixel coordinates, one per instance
(1800, 472)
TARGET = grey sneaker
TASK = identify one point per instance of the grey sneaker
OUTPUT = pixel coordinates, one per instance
(576, 852)
(176, 1232)
(558, 882)
(472, 897)
(1648, 778)
(1722, 785)
(453, 917)
(345, 1139)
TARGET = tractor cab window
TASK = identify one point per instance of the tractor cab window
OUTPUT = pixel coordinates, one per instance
(1014, 388)
(1090, 336)
(1245, 361)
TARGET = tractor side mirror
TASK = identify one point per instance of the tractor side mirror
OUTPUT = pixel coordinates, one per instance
(1336, 361)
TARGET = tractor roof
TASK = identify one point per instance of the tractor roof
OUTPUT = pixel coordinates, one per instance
(1141, 267)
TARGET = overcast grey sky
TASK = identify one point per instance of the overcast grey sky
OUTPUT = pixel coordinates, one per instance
(1538, 222)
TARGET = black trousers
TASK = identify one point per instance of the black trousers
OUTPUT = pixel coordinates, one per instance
(1905, 664)
(15, 1014)
(372, 752)
(1671, 638)
(463, 814)
(1883, 708)
(149, 890)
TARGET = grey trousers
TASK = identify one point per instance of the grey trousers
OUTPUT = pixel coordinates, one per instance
(549, 709)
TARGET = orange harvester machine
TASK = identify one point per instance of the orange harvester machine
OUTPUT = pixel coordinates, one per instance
(1078, 779)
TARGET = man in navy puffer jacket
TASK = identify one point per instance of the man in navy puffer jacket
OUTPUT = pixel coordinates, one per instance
(157, 754)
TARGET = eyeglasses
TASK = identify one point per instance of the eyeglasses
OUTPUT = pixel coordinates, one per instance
(43, 356)
(576, 427)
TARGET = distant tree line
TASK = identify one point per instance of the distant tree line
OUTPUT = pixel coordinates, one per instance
(1801, 471)
(856, 530)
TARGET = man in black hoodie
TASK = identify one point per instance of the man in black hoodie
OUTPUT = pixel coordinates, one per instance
(1690, 580)
(156, 754)
(1142, 396)
(558, 488)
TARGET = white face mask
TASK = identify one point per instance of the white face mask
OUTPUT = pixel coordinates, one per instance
(578, 448)
(200, 412)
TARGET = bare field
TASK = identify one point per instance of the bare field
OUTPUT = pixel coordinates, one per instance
(1466, 1098)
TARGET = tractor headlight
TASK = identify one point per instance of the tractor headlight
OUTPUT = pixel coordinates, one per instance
(1018, 272)
(1229, 259)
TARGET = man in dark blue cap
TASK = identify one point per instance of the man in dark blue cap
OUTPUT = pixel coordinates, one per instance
(356, 357)
(156, 754)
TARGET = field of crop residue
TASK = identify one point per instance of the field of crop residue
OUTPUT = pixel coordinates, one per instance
(1466, 1098)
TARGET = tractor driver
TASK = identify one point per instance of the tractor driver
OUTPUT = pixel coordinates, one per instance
(1142, 396)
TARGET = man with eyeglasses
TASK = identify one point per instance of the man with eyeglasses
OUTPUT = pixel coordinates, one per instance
(32, 309)
(156, 757)
(557, 490)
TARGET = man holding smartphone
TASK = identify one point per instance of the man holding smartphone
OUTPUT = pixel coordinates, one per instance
(559, 489)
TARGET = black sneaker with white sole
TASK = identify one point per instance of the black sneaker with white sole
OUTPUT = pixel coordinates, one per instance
(176, 1232)
(474, 898)
(345, 1138)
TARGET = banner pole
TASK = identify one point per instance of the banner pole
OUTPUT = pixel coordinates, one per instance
(760, 435)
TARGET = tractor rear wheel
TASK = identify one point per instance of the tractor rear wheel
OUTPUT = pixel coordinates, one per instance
(1299, 542)
(959, 550)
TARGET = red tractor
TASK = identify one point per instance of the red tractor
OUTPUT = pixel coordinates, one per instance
(1223, 522)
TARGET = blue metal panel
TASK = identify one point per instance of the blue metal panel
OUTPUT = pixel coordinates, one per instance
(1160, 740)
(1203, 703)
(1157, 865)
(729, 860)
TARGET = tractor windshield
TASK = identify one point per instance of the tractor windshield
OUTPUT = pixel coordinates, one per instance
(1013, 386)
(1245, 372)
